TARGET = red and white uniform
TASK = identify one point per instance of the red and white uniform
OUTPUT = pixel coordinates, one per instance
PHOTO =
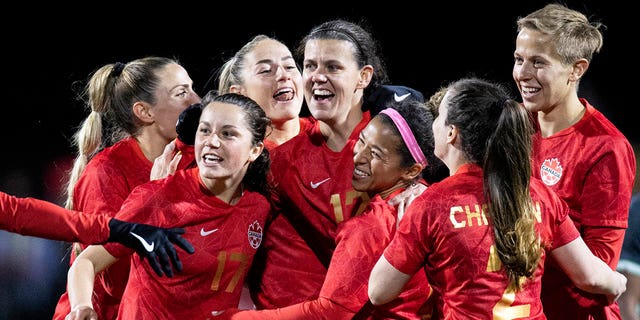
(225, 238)
(591, 166)
(446, 232)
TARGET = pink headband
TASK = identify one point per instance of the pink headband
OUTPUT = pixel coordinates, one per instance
(407, 136)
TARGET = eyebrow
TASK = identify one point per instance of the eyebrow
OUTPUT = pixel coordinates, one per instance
(224, 127)
(181, 85)
(264, 61)
(269, 61)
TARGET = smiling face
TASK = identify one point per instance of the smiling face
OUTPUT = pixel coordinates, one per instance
(271, 78)
(377, 160)
(333, 82)
(223, 144)
(543, 80)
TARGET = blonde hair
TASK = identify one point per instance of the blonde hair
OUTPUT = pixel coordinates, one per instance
(110, 94)
(573, 35)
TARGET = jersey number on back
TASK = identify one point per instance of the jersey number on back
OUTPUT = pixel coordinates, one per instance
(503, 309)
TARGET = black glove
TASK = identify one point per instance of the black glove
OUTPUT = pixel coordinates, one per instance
(187, 124)
(150, 242)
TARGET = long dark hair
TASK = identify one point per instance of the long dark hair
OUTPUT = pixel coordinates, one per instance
(496, 132)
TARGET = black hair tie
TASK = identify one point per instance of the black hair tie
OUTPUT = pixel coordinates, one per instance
(117, 69)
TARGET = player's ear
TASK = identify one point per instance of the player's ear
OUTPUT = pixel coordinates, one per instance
(142, 111)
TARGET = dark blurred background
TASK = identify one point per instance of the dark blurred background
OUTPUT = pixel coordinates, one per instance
(47, 55)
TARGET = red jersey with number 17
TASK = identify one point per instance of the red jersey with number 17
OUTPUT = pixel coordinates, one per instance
(225, 238)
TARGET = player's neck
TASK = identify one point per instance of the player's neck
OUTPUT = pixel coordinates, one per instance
(561, 117)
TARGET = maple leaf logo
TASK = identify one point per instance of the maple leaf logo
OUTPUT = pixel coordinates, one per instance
(255, 234)
(551, 171)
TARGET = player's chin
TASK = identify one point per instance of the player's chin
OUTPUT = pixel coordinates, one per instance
(359, 183)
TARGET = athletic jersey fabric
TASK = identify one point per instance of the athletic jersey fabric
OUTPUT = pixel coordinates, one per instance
(38, 218)
(314, 194)
(591, 165)
(225, 238)
(360, 242)
(103, 186)
(446, 232)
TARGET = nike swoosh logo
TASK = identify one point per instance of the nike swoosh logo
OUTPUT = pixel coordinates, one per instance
(206, 233)
(147, 246)
(398, 98)
(315, 185)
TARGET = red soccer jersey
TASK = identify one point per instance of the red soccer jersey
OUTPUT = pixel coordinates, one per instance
(38, 218)
(313, 186)
(360, 242)
(591, 166)
(446, 231)
(225, 238)
(104, 184)
(306, 123)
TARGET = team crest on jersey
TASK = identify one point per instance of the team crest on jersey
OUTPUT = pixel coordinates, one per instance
(255, 234)
(551, 171)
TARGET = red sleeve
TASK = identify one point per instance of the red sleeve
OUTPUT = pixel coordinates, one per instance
(608, 192)
(606, 195)
(317, 309)
(607, 188)
(39, 218)
(605, 243)
(605, 199)
(565, 232)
